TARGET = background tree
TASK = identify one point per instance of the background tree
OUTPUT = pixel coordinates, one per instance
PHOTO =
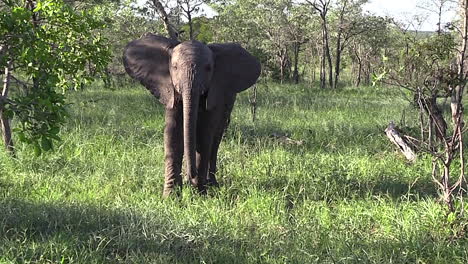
(350, 24)
(322, 7)
(439, 8)
(297, 31)
(129, 23)
(170, 26)
(367, 50)
(430, 68)
(175, 15)
(273, 29)
(46, 47)
(189, 8)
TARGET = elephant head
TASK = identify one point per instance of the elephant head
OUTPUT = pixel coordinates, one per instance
(183, 73)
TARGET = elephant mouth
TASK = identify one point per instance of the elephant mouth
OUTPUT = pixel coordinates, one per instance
(202, 103)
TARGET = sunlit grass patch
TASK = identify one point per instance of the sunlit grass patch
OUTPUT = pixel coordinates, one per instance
(343, 195)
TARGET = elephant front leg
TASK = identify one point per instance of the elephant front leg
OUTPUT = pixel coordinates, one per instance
(173, 150)
(206, 131)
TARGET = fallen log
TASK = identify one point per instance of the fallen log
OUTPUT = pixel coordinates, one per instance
(396, 138)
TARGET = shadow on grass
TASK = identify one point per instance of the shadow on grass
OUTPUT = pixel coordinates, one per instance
(368, 140)
(339, 188)
(311, 97)
(59, 232)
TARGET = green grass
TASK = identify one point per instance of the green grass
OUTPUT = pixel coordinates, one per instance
(343, 196)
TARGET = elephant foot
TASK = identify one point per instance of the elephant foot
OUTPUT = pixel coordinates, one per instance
(171, 188)
(202, 190)
(193, 181)
(211, 181)
(168, 192)
(201, 186)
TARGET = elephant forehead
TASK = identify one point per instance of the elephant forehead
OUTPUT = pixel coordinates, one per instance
(192, 51)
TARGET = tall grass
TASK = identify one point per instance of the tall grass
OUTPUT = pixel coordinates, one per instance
(343, 196)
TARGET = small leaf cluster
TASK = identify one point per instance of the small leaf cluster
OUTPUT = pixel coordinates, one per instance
(51, 48)
(41, 114)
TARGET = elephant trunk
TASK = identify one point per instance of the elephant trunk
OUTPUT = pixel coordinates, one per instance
(190, 99)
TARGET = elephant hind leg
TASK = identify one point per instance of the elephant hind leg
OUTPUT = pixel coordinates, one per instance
(222, 126)
(211, 178)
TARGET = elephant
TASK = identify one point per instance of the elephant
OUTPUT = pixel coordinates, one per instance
(197, 83)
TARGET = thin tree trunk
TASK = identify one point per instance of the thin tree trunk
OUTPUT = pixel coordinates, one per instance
(323, 70)
(337, 59)
(322, 7)
(281, 69)
(165, 18)
(314, 66)
(368, 73)
(339, 48)
(421, 114)
(284, 63)
(327, 52)
(337, 65)
(457, 93)
(446, 182)
(296, 62)
(5, 123)
(359, 73)
(189, 17)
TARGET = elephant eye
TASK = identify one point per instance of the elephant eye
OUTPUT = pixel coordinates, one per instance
(208, 67)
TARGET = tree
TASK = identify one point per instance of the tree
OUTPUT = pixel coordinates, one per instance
(298, 35)
(367, 50)
(189, 8)
(46, 47)
(175, 14)
(274, 30)
(341, 21)
(170, 27)
(438, 7)
(351, 23)
(430, 68)
(129, 23)
(322, 7)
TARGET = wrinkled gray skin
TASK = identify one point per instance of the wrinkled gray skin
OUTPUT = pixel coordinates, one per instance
(198, 84)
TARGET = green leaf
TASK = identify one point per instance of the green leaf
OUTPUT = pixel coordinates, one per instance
(21, 136)
(38, 6)
(451, 217)
(55, 137)
(37, 150)
(46, 143)
(54, 130)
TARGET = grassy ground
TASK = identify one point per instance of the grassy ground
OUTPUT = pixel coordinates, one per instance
(343, 196)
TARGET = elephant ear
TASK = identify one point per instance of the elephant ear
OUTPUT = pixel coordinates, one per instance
(147, 60)
(235, 70)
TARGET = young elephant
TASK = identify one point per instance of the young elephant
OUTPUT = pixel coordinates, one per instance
(198, 84)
